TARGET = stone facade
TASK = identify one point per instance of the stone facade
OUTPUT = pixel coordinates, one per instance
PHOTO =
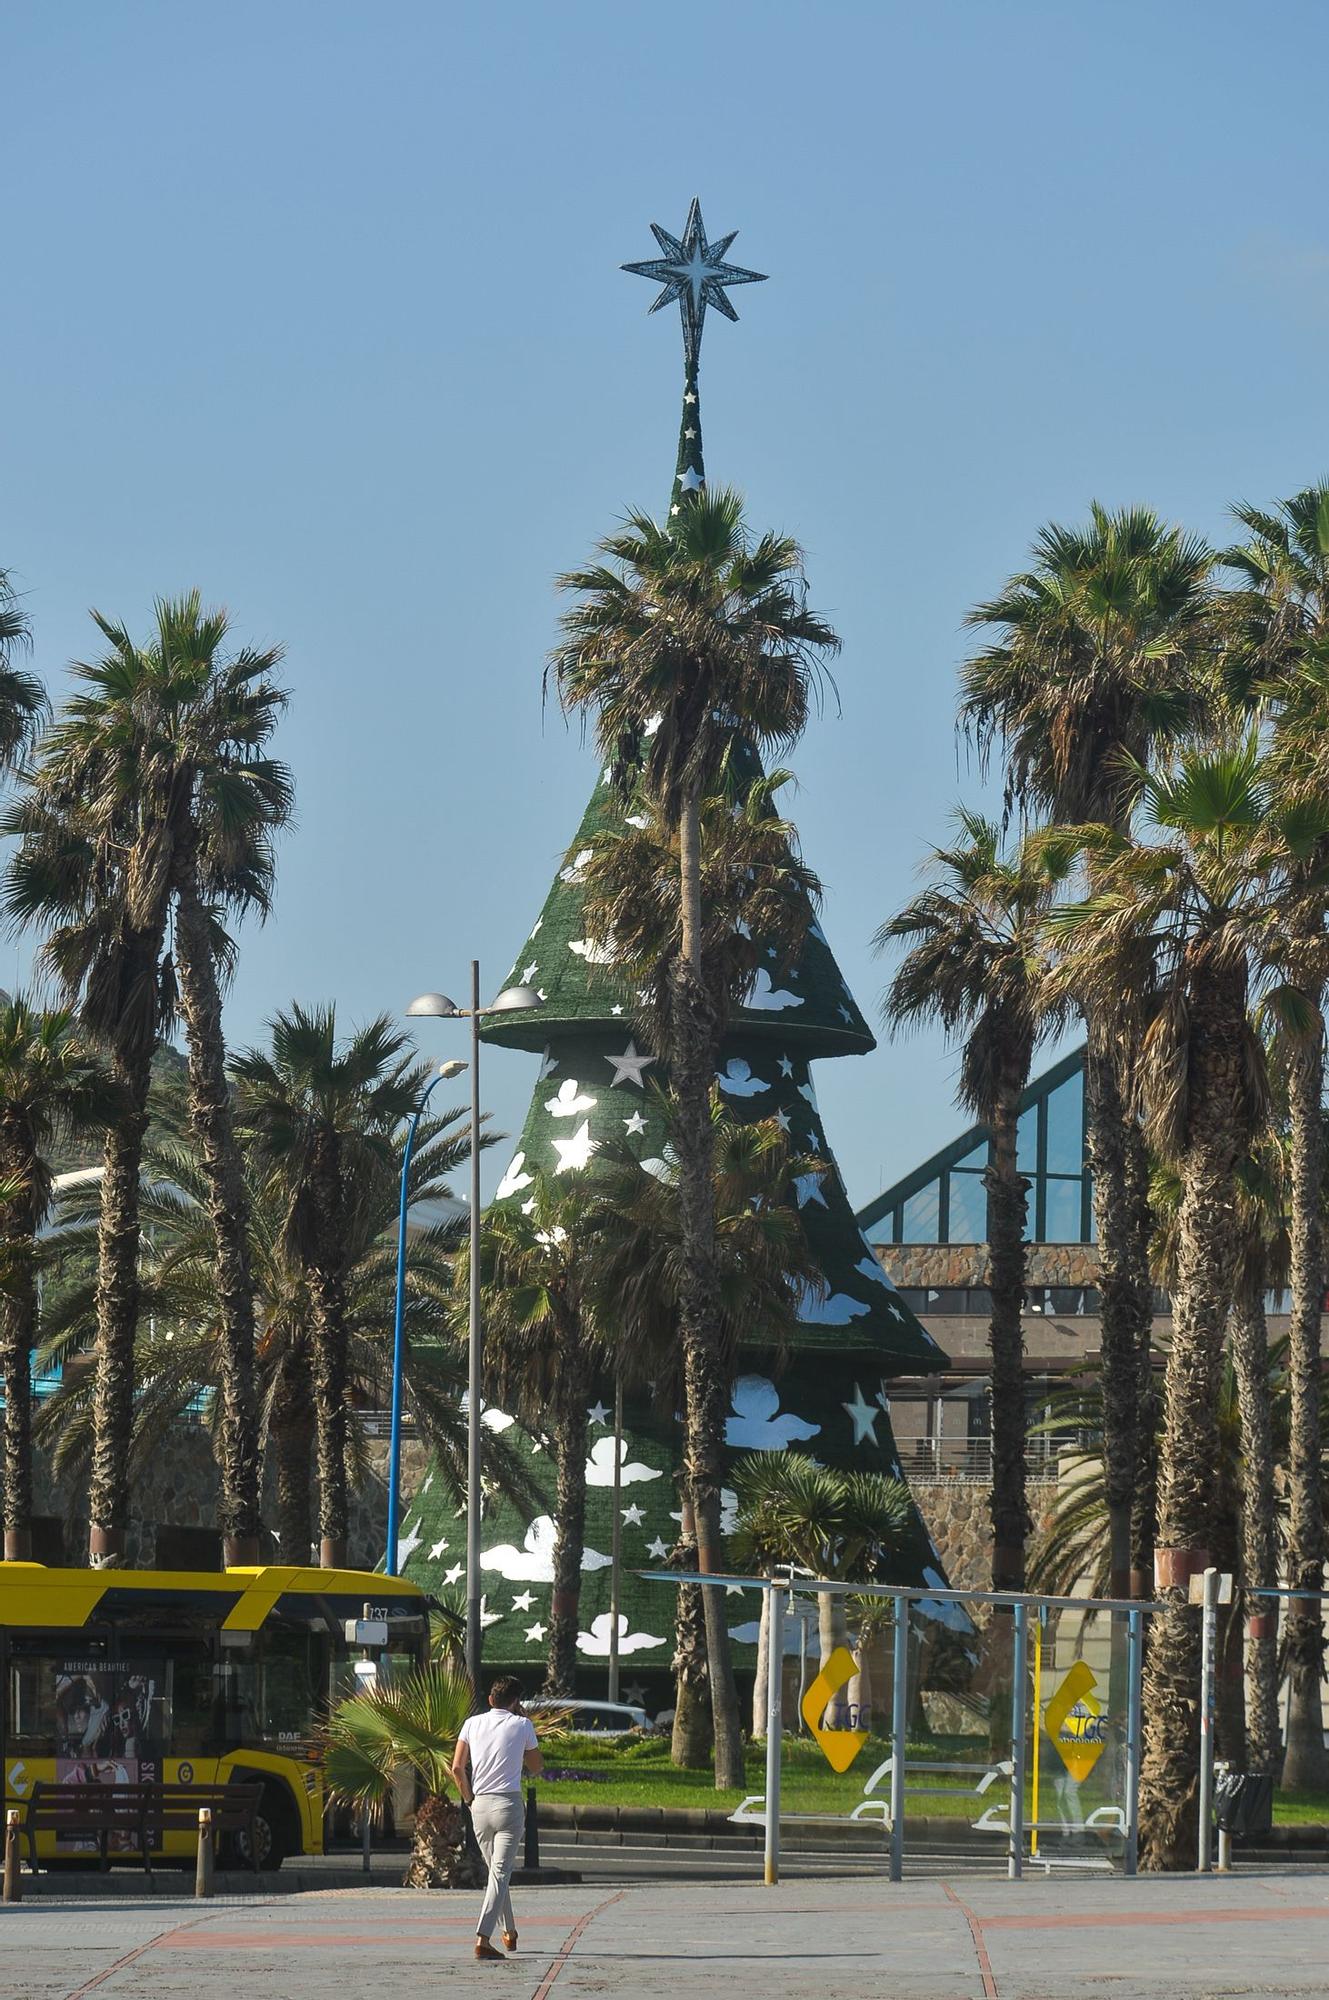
(944, 1265)
(956, 1512)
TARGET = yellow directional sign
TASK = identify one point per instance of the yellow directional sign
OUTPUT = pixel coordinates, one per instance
(838, 1746)
(1071, 1720)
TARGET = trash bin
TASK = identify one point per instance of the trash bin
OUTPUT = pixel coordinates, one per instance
(1244, 1803)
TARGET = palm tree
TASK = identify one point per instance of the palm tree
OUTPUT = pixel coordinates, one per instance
(541, 1349)
(1278, 626)
(837, 1525)
(407, 1726)
(22, 696)
(322, 1110)
(1095, 661)
(1204, 903)
(636, 1246)
(680, 642)
(179, 1337)
(152, 799)
(53, 1088)
(974, 963)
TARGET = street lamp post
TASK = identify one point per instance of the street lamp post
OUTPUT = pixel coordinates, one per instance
(513, 999)
(445, 1070)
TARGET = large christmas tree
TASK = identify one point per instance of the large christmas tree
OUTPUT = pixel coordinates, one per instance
(854, 1333)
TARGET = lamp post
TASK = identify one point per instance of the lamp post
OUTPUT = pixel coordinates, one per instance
(513, 999)
(445, 1070)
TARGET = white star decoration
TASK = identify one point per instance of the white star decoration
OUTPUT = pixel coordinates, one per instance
(862, 1416)
(524, 1602)
(535, 1633)
(628, 1067)
(599, 1414)
(808, 1187)
(786, 1067)
(488, 1617)
(437, 1550)
(634, 1124)
(450, 1576)
(782, 1120)
(616, 1009)
(632, 1517)
(691, 481)
(574, 1153)
(657, 1550)
(529, 973)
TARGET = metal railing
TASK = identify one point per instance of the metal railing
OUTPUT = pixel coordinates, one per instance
(962, 1459)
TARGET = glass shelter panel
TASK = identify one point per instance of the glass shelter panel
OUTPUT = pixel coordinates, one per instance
(922, 1214)
(1065, 1116)
(968, 1222)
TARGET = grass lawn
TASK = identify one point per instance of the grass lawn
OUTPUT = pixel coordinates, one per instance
(639, 1773)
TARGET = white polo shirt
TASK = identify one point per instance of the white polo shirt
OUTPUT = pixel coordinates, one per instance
(498, 1741)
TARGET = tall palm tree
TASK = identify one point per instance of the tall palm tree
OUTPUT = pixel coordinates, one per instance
(1095, 660)
(974, 962)
(1277, 619)
(153, 800)
(1204, 902)
(763, 1267)
(680, 641)
(321, 1109)
(53, 1089)
(542, 1348)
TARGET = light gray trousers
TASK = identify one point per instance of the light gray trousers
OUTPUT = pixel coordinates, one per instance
(499, 1819)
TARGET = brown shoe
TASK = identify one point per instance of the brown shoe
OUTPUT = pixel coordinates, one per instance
(483, 1949)
(510, 1940)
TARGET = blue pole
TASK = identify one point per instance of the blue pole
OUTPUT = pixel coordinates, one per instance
(398, 1341)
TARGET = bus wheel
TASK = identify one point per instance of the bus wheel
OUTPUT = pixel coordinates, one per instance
(274, 1824)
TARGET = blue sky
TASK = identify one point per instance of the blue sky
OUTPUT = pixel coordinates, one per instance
(317, 307)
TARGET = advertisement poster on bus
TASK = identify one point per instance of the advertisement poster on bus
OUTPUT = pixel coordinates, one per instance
(108, 1721)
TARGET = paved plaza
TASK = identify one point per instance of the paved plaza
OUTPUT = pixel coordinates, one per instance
(962, 1939)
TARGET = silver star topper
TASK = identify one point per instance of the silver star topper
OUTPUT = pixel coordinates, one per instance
(694, 272)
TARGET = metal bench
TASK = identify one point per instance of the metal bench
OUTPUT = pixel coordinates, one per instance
(137, 1817)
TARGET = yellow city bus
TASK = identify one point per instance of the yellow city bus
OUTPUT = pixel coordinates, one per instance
(190, 1676)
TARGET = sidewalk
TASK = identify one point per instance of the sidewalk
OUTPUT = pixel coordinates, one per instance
(937, 1940)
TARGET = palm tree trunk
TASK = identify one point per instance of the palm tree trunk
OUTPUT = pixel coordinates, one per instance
(692, 1704)
(117, 1313)
(210, 1110)
(292, 1429)
(1144, 1511)
(1007, 1204)
(833, 1632)
(761, 1680)
(695, 1037)
(1259, 1534)
(570, 1510)
(327, 1285)
(18, 1335)
(1207, 1232)
(1306, 1764)
(1126, 1307)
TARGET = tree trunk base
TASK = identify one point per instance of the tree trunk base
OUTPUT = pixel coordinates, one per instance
(240, 1552)
(106, 1547)
(332, 1552)
(440, 1855)
(18, 1545)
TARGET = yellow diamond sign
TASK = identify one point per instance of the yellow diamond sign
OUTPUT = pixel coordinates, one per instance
(1071, 1720)
(838, 1746)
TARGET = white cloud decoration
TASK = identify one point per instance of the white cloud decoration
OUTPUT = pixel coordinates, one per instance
(595, 1643)
(515, 1179)
(533, 1562)
(819, 1306)
(600, 1465)
(768, 998)
(757, 1423)
(736, 1079)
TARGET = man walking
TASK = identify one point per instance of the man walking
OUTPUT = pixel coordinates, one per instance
(493, 1750)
